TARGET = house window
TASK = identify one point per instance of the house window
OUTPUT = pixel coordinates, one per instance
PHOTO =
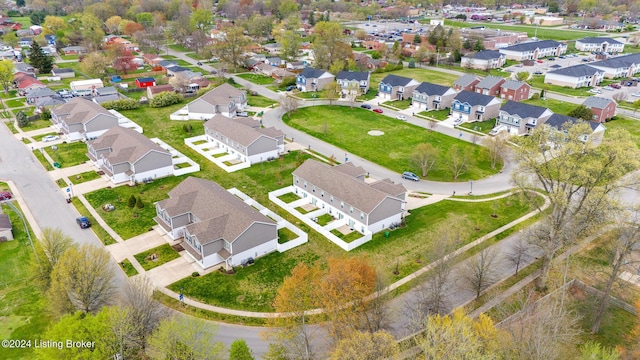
(314, 189)
(361, 216)
(297, 180)
(351, 210)
(322, 194)
(331, 199)
(342, 204)
(305, 184)
(227, 246)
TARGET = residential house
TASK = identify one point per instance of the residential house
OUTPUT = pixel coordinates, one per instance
(151, 59)
(575, 76)
(125, 155)
(26, 83)
(275, 61)
(311, 79)
(490, 85)
(603, 109)
(82, 119)
(470, 106)
(39, 93)
(600, 44)
(534, 50)
(428, 96)
(6, 229)
(357, 81)
(273, 48)
(25, 42)
(466, 82)
(42, 103)
(619, 66)
(520, 119)
(342, 192)
(25, 68)
(7, 55)
(145, 82)
(107, 93)
(483, 60)
(365, 62)
(224, 99)
(74, 50)
(515, 90)
(295, 66)
(263, 69)
(216, 226)
(279, 74)
(394, 87)
(63, 73)
(559, 123)
(154, 90)
(248, 144)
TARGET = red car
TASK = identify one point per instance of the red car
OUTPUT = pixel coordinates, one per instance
(5, 195)
(379, 111)
(539, 61)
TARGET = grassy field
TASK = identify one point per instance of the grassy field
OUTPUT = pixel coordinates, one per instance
(347, 128)
(69, 154)
(128, 269)
(16, 103)
(400, 104)
(537, 81)
(22, 305)
(257, 78)
(629, 125)
(284, 235)
(37, 124)
(481, 126)
(432, 76)
(541, 32)
(259, 101)
(436, 114)
(157, 256)
(84, 177)
(557, 106)
(100, 232)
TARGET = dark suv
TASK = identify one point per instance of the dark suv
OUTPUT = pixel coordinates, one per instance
(83, 222)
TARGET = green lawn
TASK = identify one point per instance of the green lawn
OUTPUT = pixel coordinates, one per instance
(157, 256)
(11, 94)
(178, 48)
(15, 103)
(324, 219)
(22, 306)
(84, 177)
(38, 124)
(289, 197)
(372, 93)
(557, 106)
(128, 268)
(432, 76)
(481, 126)
(537, 81)
(257, 78)
(629, 125)
(45, 164)
(100, 232)
(347, 128)
(69, 154)
(439, 115)
(541, 32)
(285, 235)
(259, 101)
(400, 104)
(354, 235)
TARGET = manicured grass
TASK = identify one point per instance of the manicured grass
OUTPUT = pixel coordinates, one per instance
(481, 126)
(128, 269)
(440, 115)
(252, 287)
(257, 78)
(347, 128)
(84, 177)
(39, 137)
(70, 57)
(10, 95)
(289, 197)
(47, 166)
(557, 106)
(220, 155)
(400, 104)
(100, 232)
(629, 125)
(411, 243)
(537, 81)
(15, 103)
(163, 254)
(22, 306)
(476, 197)
(37, 124)
(301, 210)
(285, 235)
(616, 325)
(541, 32)
(433, 76)
(354, 235)
(179, 48)
(372, 93)
(195, 56)
(69, 154)
(259, 101)
(324, 219)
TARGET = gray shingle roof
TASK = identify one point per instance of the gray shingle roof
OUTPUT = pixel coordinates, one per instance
(234, 130)
(557, 121)
(40, 92)
(126, 145)
(431, 89)
(472, 98)
(596, 102)
(353, 75)
(489, 82)
(465, 80)
(576, 71)
(598, 40)
(222, 215)
(63, 70)
(350, 169)
(311, 73)
(352, 191)
(79, 110)
(395, 80)
(523, 110)
(221, 95)
(513, 84)
(487, 55)
(530, 46)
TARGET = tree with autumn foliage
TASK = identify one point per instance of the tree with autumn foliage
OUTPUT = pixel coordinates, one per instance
(367, 346)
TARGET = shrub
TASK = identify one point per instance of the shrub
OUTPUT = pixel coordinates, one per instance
(45, 114)
(139, 203)
(119, 105)
(535, 96)
(166, 98)
(287, 81)
(132, 201)
(412, 64)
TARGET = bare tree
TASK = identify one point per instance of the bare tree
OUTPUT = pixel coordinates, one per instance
(480, 271)
(54, 243)
(289, 104)
(457, 161)
(180, 82)
(424, 156)
(497, 146)
(474, 138)
(352, 93)
(519, 253)
(143, 310)
(432, 124)
(619, 96)
(332, 92)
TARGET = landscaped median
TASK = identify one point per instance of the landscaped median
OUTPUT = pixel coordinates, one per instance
(348, 129)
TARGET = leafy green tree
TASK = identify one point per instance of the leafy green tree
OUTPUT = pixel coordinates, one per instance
(287, 8)
(366, 346)
(39, 60)
(582, 112)
(145, 19)
(182, 337)
(522, 76)
(6, 74)
(165, 99)
(139, 203)
(37, 17)
(20, 3)
(328, 44)
(21, 118)
(231, 50)
(240, 351)
(201, 18)
(312, 20)
(132, 201)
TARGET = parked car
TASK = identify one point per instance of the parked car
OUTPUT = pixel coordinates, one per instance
(379, 111)
(401, 117)
(552, 59)
(5, 195)
(366, 106)
(457, 122)
(562, 57)
(290, 87)
(83, 222)
(50, 138)
(635, 94)
(242, 114)
(496, 130)
(539, 61)
(595, 91)
(616, 86)
(199, 63)
(537, 72)
(410, 176)
(609, 88)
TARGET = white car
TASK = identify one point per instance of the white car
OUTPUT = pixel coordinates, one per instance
(636, 94)
(595, 91)
(401, 117)
(50, 138)
(457, 122)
